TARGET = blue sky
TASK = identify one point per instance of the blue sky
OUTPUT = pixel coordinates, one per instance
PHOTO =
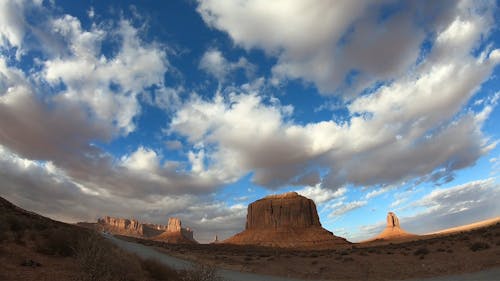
(151, 109)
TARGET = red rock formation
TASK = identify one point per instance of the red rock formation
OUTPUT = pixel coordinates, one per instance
(174, 225)
(175, 233)
(172, 233)
(285, 220)
(393, 230)
(129, 227)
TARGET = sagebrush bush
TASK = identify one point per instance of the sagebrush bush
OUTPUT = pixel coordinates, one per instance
(60, 241)
(201, 272)
(421, 251)
(159, 271)
(100, 260)
(478, 246)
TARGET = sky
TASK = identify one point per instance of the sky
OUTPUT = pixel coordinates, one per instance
(194, 109)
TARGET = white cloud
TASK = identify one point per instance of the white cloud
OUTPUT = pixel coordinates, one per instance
(407, 132)
(379, 191)
(214, 63)
(320, 195)
(142, 159)
(447, 201)
(326, 42)
(174, 144)
(108, 86)
(78, 95)
(347, 207)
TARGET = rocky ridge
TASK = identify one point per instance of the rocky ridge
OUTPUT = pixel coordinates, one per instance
(173, 232)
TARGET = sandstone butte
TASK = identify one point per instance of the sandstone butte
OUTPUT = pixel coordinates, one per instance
(393, 230)
(173, 232)
(286, 220)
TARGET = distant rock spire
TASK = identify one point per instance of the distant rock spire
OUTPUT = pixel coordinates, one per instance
(392, 220)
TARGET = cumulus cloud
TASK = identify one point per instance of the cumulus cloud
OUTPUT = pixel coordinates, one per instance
(78, 95)
(214, 63)
(347, 207)
(320, 195)
(393, 134)
(340, 46)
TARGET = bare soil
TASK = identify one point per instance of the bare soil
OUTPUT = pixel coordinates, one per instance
(428, 256)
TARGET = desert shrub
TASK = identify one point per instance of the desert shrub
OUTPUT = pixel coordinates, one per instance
(421, 251)
(201, 273)
(4, 227)
(100, 260)
(16, 224)
(479, 246)
(58, 241)
(40, 225)
(159, 271)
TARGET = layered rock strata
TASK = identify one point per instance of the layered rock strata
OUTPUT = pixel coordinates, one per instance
(173, 232)
(285, 220)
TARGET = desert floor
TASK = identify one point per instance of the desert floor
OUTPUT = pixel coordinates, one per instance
(437, 255)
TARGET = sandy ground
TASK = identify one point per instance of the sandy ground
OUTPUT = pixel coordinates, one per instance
(465, 252)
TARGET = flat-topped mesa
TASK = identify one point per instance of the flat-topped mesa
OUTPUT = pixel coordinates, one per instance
(282, 211)
(285, 220)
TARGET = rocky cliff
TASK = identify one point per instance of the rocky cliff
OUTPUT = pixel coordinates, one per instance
(285, 220)
(130, 227)
(172, 232)
(175, 233)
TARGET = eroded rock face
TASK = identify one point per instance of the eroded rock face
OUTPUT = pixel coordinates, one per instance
(174, 225)
(282, 211)
(122, 226)
(393, 230)
(392, 220)
(285, 220)
(172, 232)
